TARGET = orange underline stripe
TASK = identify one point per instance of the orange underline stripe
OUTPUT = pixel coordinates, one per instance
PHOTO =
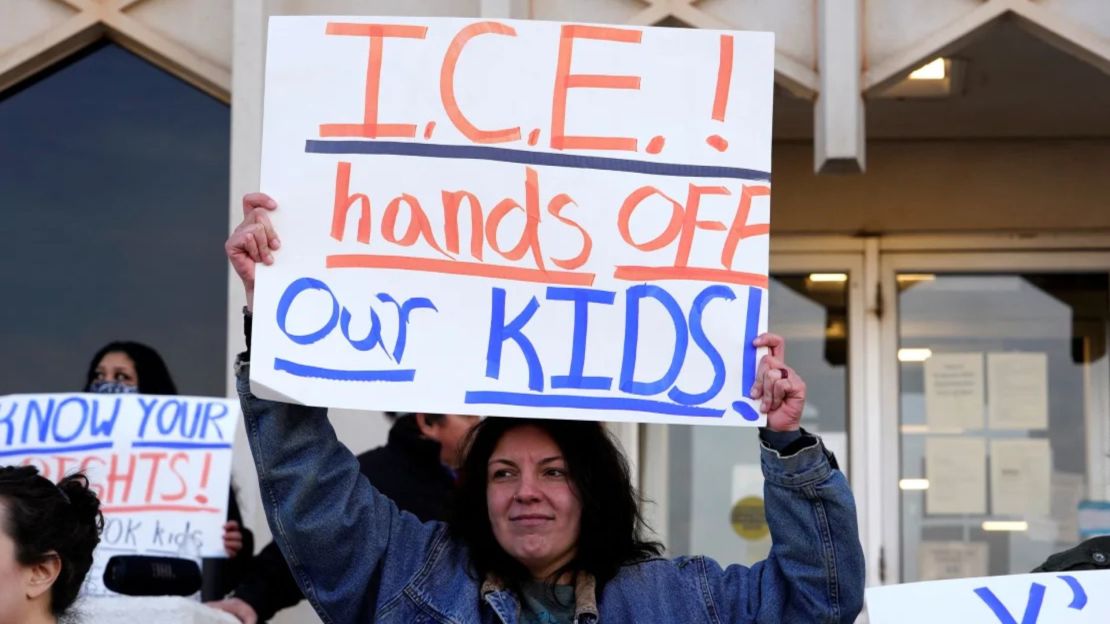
(454, 267)
(647, 274)
(138, 508)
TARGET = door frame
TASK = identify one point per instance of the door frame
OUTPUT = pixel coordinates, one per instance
(795, 255)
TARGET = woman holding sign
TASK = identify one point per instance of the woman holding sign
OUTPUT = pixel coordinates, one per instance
(546, 528)
(122, 367)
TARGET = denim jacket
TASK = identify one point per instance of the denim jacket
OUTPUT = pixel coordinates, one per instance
(359, 559)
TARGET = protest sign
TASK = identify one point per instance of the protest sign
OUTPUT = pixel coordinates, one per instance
(160, 465)
(515, 218)
(1053, 598)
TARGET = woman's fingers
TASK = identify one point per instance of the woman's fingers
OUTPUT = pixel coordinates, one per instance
(770, 378)
(259, 215)
(251, 201)
(249, 245)
(781, 389)
(774, 342)
(766, 363)
(774, 359)
(262, 242)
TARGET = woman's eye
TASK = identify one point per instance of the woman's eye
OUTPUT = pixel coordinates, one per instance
(557, 473)
(501, 474)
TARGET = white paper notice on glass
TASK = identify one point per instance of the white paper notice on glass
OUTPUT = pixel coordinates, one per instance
(1017, 390)
(947, 560)
(1068, 491)
(1021, 477)
(957, 473)
(954, 391)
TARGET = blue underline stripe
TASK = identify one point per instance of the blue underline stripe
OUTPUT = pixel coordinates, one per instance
(304, 370)
(478, 397)
(56, 449)
(551, 159)
(182, 445)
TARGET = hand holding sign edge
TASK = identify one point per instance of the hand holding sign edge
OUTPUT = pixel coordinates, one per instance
(781, 389)
(253, 240)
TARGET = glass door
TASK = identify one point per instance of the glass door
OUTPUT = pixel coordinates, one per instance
(704, 482)
(999, 411)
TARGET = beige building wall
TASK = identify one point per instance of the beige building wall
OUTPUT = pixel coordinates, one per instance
(948, 186)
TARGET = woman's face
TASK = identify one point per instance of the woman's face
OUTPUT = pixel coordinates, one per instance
(13, 577)
(116, 366)
(533, 507)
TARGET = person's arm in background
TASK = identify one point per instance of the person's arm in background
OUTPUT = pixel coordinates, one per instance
(240, 551)
(220, 576)
(267, 588)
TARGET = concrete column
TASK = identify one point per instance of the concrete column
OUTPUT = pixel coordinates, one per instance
(839, 143)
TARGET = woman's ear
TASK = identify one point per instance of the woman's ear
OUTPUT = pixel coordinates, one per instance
(427, 429)
(41, 575)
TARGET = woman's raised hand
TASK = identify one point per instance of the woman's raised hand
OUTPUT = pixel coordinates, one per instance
(783, 391)
(253, 241)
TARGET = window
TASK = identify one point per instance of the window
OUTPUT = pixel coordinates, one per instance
(113, 190)
(1003, 378)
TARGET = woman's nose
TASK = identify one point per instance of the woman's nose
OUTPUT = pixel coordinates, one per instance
(527, 490)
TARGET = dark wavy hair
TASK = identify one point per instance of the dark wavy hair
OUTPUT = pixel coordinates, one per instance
(611, 528)
(154, 377)
(43, 518)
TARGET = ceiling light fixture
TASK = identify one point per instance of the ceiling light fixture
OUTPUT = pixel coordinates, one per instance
(936, 69)
(828, 277)
(914, 355)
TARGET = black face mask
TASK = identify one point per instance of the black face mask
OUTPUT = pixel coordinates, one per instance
(105, 386)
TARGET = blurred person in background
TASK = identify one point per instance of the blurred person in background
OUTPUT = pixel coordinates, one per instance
(416, 468)
(125, 366)
(47, 536)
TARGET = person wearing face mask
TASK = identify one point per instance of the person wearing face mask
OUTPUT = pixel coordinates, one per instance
(115, 369)
(124, 367)
(47, 536)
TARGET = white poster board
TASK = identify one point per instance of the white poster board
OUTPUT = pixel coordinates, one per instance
(160, 465)
(515, 218)
(1054, 598)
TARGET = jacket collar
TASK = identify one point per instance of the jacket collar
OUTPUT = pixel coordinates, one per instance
(585, 595)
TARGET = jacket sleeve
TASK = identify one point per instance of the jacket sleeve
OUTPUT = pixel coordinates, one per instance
(348, 547)
(815, 571)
